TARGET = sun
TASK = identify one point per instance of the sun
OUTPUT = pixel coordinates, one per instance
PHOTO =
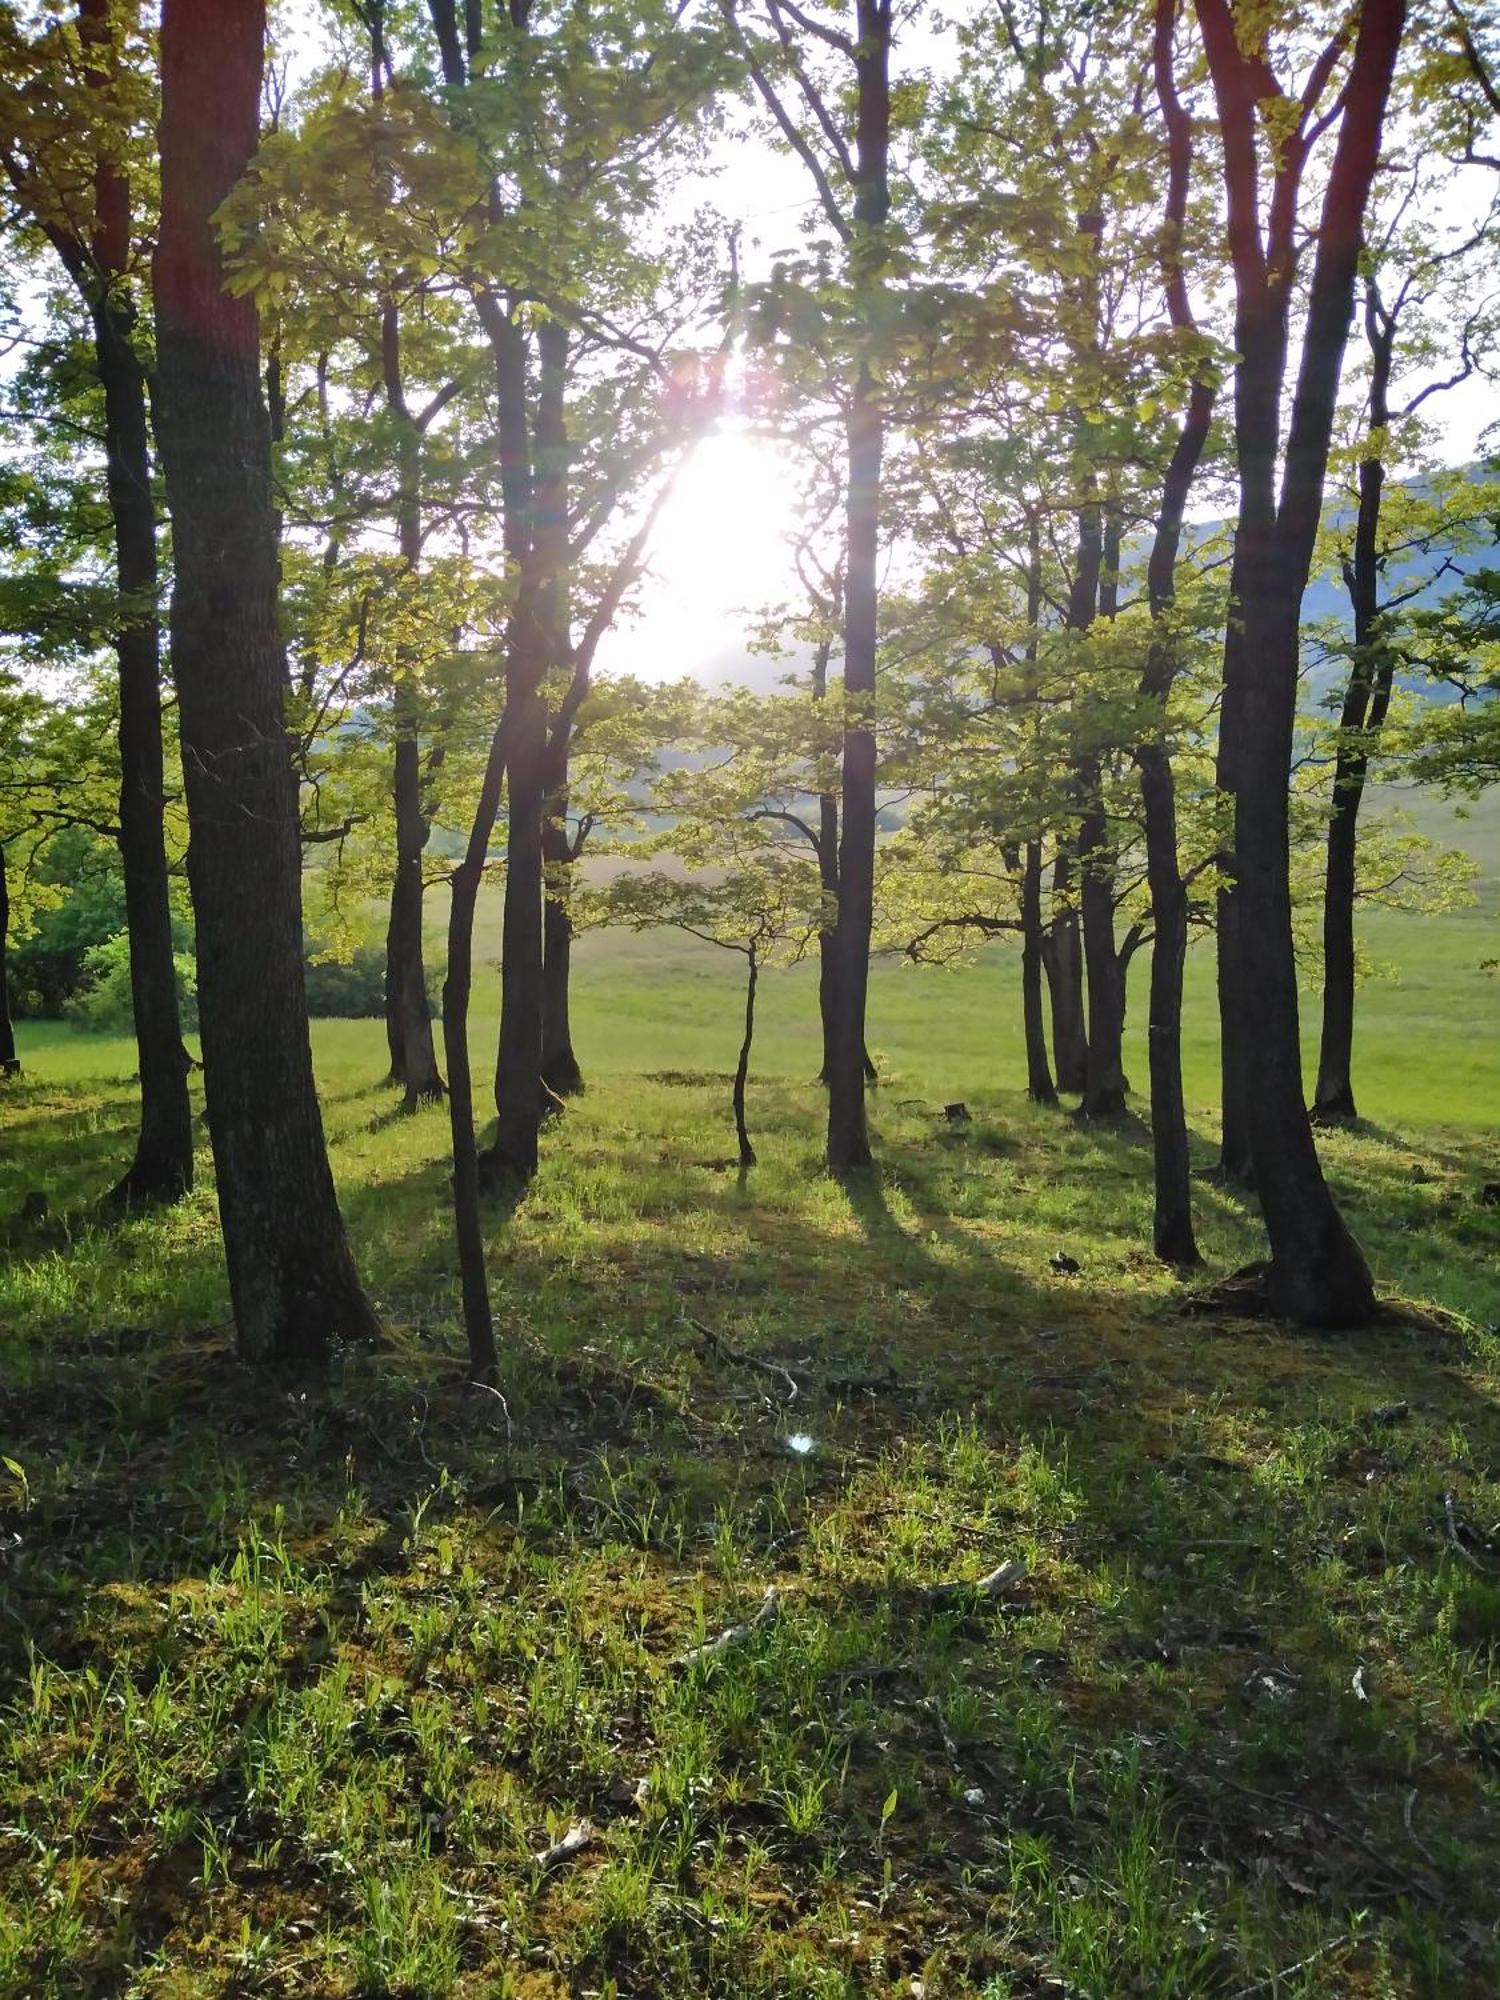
(720, 556)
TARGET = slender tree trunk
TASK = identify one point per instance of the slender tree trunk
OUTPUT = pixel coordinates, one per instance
(10, 1062)
(1173, 1238)
(1103, 1081)
(408, 1018)
(848, 1133)
(561, 1074)
(1317, 1273)
(1039, 1086)
(511, 1160)
(162, 1168)
(407, 1012)
(295, 1290)
(1366, 702)
(479, 1325)
(1104, 1072)
(742, 1068)
(537, 640)
(1062, 960)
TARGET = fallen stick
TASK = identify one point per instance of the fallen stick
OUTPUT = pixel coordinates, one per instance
(721, 1346)
(770, 1606)
(573, 1842)
(1455, 1540)
(999, 1580)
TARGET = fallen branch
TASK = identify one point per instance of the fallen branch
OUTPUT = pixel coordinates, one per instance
(573, 1842)
(1455, 1537)
(996, 1584)
(721, 1346)
(732, 1635)
(1402, 1876)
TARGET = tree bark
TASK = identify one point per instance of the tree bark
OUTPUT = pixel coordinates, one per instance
(10, 1062)
(1062, 960)
(1173, 1238)
(742, 1068)
(1366, 701)
(1039, 1085)
(1317, 1273)
(1104, 1078)
(848, 1145)
(537, 641)
(479, 1324)
(561, 1074)
(295, 1291)
(408, 1018)
(407, 1012)
(162, 1166)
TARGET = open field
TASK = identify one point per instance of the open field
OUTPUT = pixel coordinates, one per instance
(298, 1680)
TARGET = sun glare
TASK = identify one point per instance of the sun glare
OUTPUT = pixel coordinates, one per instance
(721, 555)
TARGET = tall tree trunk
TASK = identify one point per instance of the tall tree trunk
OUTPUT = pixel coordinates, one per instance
(1104, 1072)
(408, 1018)
(407, 1012)
(511, 1160)
(848, 1147)
(1039, 1086)
(742, 1067)
(10, 1062)
(295, 1290)
(1104, 1078)
(162, 1168)
(561, 1074)
(1173, 1238)
(537, 641)
(1062, 960)
(479, 1325)
(1366, 702)
(1317, 1273)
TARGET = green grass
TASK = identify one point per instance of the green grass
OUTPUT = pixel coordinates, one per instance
(296, 1679)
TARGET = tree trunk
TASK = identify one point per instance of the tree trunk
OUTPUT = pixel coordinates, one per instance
(408, 1018)
(1039, 1086)
(848, 1146)
(162, 1168)
(295, 1291)
(1172, 1233)
(537, 640)
(479, 1325)
(848, 1133)
(1317, 1273)
(1366, 701)
(511, 1160)
(1062, 960)
(561, 1074)
(742, 1068)
(10, 1062)
(1104, 1073)
(407, 1013)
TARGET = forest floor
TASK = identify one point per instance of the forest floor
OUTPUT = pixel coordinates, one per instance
(299, 1680)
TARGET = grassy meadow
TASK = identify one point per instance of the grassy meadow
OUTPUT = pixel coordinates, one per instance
(303, 1683)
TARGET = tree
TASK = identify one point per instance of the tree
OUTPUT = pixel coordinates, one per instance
(1317, 1273)
(71, 170)
(841, 131)
(1424, 306)
(295, 1291)
(768, 908)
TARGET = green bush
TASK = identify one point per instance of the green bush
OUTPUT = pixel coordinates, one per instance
(101, 1002)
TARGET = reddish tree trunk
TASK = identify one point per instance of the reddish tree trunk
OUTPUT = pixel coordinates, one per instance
(292, 1279)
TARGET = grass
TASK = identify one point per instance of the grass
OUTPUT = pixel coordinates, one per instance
(297, 1679)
